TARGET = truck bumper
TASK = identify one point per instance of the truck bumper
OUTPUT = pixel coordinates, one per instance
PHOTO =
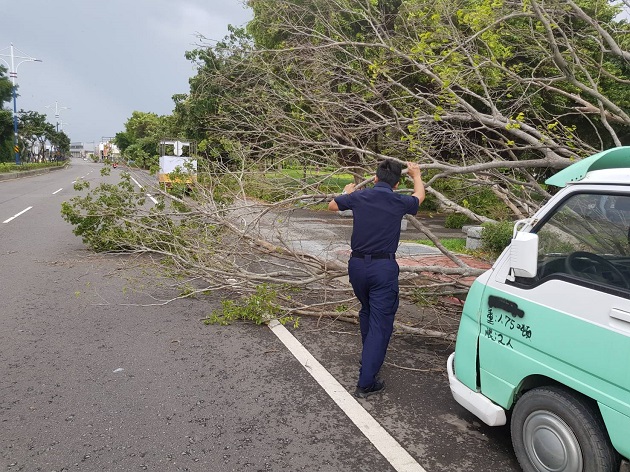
(479, 405)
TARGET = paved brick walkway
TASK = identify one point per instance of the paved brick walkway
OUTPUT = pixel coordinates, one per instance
(441, 260)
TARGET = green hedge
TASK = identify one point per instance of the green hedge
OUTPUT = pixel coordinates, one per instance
(495, 237)
(6, 167)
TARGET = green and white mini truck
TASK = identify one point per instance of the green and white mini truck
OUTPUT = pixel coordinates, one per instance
(544, 338)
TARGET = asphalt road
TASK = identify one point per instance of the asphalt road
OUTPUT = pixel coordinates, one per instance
(98, 375)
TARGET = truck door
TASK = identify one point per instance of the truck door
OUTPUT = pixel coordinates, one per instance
(571, 323)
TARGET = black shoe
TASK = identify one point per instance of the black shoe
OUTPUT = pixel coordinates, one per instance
(377, 387)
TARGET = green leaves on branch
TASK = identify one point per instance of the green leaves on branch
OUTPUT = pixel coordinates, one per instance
(260, 307)
(105, 217)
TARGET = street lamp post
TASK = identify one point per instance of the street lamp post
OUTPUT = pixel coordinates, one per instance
(13, 74)
(57, 110)
(57, 119)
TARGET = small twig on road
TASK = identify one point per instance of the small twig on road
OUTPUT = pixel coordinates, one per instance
(412, 368)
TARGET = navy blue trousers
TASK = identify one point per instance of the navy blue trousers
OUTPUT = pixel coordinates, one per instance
(375, 284)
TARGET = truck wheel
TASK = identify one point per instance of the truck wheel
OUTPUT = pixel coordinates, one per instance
(558, 430)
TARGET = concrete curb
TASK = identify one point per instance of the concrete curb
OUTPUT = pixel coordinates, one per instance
(29, 173)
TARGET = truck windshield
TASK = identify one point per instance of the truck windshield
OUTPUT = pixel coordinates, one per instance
(588, 237)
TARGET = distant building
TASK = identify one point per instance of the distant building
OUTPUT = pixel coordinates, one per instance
(108, 150)
(81, 150)
(77, 150)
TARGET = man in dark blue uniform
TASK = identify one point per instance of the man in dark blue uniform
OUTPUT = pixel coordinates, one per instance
(372, 267)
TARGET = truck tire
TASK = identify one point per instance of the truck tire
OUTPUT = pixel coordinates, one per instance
(556, 429)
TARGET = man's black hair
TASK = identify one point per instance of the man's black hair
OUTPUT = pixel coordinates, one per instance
(389, 171)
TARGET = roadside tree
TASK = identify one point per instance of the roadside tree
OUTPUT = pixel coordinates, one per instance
(490, 97)
(6, 119)
(35, 133)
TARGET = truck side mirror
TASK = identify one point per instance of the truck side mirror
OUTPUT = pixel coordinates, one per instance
(524, 254)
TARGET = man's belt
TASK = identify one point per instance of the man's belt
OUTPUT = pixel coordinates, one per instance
(382, 255)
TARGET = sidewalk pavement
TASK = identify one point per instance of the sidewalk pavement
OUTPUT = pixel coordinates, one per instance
(327, 235)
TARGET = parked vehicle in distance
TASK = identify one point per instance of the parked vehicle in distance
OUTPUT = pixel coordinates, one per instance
(544, 337)
(178, 162)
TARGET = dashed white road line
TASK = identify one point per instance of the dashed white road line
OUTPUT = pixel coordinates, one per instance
(18, 214)
(397, 456)
(57, 191)
(142, 188)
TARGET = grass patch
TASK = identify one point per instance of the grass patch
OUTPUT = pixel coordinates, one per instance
(458, 245)
(452, 244)
(320, 180)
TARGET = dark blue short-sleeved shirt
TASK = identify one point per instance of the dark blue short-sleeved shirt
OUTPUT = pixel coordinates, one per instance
(377, 214)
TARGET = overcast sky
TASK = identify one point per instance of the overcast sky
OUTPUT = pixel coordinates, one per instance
(102, 60)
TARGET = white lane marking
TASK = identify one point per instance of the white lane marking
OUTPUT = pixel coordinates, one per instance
(398, 457)
(57, 191)
(15, 216)
(148, 194)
